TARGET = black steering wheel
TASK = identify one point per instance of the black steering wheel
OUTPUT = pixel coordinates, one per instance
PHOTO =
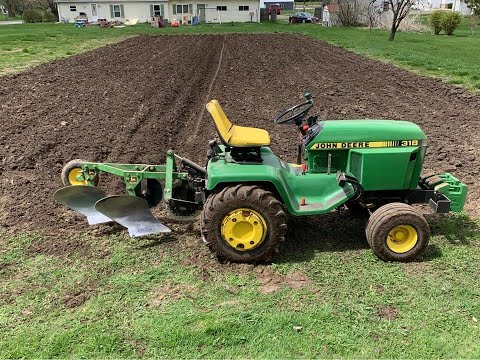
(296, 113)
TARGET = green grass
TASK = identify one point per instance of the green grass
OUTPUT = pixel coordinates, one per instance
(4, 17)
(452, 58)
(156, 298)
(455, 59)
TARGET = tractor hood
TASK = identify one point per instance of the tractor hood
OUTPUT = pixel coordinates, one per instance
(358, 133)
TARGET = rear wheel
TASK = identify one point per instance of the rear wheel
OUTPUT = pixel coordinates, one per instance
(243, 223)
(396, 232)
(72, 170)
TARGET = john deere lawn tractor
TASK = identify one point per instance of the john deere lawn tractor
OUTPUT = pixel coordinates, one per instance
(245, 191)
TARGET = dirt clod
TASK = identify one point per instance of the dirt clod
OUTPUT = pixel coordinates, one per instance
(272, 282)
(75, 299)
(387, 312)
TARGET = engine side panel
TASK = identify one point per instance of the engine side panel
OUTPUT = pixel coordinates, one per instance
(380, 154)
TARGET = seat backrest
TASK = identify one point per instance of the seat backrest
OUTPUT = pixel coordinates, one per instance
(221, 121)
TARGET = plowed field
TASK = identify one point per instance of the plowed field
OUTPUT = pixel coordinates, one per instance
(132, 101)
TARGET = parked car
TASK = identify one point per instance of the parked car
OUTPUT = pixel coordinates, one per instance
(274, 7)
(302, 17)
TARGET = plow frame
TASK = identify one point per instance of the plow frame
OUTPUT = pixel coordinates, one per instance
(133, 174)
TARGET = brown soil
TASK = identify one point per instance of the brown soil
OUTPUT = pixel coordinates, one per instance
(132, 101)
(75, 299)
(387, 312)
(78, 296)
(272, 282)
(171, 292)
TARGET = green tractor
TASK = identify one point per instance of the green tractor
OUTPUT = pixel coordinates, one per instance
(246, 191)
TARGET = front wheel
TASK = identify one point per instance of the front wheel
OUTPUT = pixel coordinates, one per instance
(243, 223)
(396, 232)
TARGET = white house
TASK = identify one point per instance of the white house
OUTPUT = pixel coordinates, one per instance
(454, 5)
(211, 11)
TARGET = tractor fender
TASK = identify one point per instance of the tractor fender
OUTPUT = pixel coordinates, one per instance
(301, 193)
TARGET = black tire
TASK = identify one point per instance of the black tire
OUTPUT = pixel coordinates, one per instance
(71, 165)
(385, 219)
(253, 197)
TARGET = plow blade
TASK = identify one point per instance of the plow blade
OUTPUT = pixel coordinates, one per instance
(82, 199)
(131, 212)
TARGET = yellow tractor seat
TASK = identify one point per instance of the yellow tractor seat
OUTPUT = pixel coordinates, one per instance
(233, 135)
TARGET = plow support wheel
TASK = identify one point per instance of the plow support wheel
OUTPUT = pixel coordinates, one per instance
(131, 212)
(82, 199)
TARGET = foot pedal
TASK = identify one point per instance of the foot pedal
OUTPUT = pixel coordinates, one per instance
(82, 199)
(133, 213)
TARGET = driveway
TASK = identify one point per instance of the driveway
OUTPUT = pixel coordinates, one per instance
(11, 22)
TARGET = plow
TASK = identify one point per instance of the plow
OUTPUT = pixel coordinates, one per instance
(245, 191)
(180, 189)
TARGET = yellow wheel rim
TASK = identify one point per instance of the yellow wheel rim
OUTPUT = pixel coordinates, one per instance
(402, 238)
(243, 229)
(72, 177)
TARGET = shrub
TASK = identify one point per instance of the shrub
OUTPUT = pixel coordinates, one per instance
(450, 21)
(436, 21)
(36, 15)
(32, 15)
(48, 17)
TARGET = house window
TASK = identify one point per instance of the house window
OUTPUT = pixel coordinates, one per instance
(158, 10)
(73, 8)
(182, 9)
(386, 6)
(116, 11)
(221, 8)
(243, 8)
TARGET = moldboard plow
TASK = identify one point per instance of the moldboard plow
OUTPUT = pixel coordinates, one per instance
(144, 190)
(245, 192)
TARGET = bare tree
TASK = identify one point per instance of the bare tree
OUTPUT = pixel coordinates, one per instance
(350, 11)
(474, 5)
(400, 9)
(12, 7)
(52, 5)
(372, 13)
(45, 5)
(474, 21)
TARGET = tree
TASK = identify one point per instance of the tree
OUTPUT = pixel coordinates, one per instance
(474, 5)
(46, 5)
(52, 6)
(372, 13)
(474, 21)
(400, 9)
(12, 6)
(350, 12)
